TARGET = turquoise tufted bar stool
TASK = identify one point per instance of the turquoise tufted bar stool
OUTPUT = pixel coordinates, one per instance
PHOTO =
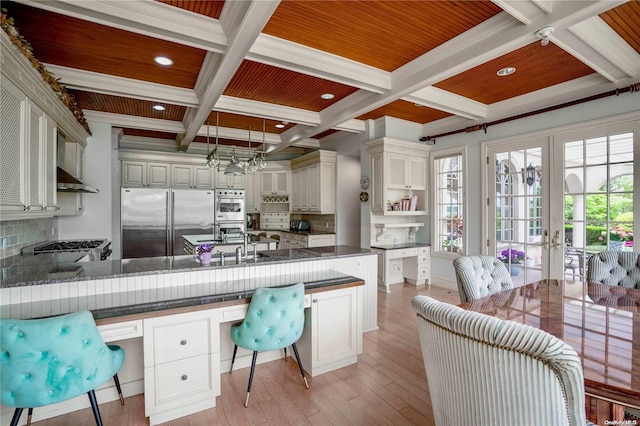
(49, 360)
(275, 320)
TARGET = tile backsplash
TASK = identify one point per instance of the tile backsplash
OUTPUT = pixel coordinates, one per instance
(16, 234)
(318, 222)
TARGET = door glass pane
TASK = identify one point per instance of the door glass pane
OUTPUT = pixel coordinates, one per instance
(518, 214)
(598, 213)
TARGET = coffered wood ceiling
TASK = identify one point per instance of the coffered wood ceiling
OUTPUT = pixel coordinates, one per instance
(258, 62)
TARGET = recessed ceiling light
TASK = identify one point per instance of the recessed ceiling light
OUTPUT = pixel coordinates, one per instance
(280, 126)
(506, 71)
(159, 108)
(327, 96)
(163, 60)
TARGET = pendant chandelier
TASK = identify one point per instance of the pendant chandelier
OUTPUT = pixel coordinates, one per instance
(235, 167)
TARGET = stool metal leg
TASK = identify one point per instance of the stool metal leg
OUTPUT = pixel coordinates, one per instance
(115, 379)
(29, 413)
(253, 367)
(233, 358)
(295, 351)
(16, 416)
(94, 407)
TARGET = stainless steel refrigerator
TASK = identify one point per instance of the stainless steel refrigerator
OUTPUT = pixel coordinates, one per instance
(153, 220)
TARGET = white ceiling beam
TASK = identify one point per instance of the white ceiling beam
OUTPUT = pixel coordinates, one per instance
(265, 110)
(120, 86)
(606, 43)
(246, 20)
(143, 123)
(524, 11)
(442, 100)
(144, 17)
(296, 57)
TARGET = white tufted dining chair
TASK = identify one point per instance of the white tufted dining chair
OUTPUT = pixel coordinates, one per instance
(486, 371)
(479, 276)
(620, 268)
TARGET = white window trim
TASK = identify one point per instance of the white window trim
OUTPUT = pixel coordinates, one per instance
(434, 156)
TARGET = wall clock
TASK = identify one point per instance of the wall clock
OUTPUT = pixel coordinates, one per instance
(364, 197)
(364, 182)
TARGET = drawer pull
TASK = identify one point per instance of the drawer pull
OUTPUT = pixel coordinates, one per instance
(183, 342)
(184, 377)
(315, 300)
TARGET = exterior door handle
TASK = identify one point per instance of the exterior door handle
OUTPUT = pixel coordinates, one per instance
(545, 240)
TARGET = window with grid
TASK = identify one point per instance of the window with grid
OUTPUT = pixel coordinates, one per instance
(449, 200)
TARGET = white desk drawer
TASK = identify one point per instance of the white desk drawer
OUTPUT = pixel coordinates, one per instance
(182, 378)
(178, 341)
(422, 259)
(400, 253)
(120, 330)
(423, 251)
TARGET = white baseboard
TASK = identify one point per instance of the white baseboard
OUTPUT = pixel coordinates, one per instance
(444, 283)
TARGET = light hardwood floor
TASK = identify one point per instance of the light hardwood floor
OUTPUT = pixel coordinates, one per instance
(386, 387)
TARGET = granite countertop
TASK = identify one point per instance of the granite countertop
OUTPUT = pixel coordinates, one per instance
(400, 246)
(211, 239)
(157, 299)
(312, 232)
(53, 268)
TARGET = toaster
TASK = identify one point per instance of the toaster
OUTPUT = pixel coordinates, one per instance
(300, 225)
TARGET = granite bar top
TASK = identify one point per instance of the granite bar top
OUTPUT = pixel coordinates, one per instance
(157, 299)
(400, 246)
(54, 268)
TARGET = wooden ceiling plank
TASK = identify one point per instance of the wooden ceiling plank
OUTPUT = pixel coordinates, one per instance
(247, 21)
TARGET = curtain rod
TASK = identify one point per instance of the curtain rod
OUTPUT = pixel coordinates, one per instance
(634, 88)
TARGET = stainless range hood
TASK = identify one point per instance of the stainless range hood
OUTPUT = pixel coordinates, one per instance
(68, 183)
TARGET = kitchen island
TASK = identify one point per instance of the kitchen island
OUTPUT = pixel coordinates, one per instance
(138, 302)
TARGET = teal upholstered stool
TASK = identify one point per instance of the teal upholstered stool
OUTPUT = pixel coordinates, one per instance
(45, 361)
(275, 320)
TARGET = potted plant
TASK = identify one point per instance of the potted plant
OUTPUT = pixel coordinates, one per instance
(203, 254)
(513, 259)
(618, 238)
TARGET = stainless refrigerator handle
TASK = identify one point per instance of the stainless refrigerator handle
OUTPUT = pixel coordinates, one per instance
(169, 219)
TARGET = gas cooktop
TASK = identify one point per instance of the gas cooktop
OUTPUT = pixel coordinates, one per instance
(74, 245)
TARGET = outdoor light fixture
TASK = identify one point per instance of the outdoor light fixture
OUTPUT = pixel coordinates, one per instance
(531, 174)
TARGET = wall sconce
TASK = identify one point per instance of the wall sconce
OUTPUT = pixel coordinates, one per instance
(531, 174)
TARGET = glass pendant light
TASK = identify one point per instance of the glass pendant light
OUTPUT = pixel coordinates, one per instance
(262, 161)
(213, 160)
(235, 167)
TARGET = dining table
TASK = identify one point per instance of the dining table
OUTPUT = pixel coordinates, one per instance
(600, 322)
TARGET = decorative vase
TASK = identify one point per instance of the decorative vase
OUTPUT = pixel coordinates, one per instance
(205, 258)
(616, 245)
(514, 269)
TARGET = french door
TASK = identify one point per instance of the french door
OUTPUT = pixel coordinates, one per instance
(554, 201)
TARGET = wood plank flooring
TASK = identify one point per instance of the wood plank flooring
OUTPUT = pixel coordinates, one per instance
(386, 387)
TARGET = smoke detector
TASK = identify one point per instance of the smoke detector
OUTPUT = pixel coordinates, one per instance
(544, 34)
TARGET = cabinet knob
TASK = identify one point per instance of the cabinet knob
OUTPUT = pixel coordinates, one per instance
(184, 377)
(315, 300)
(183, 342)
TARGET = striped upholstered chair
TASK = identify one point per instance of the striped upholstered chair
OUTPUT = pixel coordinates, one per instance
(487, 371)
(615, 268)
(480, 276)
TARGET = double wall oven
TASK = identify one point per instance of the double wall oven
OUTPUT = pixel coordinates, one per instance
(230, 215)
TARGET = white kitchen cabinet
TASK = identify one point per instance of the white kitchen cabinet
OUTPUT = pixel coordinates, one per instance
(329, 340)
(399, 171)
(279, 221)
(27, 155)
(181, 364)
(229, 181)
(191, 176)
(313, 183)
(275, 182)
(252, 195)
(297, 240)
(137, 173)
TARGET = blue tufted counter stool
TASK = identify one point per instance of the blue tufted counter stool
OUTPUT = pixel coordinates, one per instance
(45, 361)
(479, 276)
(275, 320)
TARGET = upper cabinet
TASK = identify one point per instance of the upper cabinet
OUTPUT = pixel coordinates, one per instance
(228, 181)
(32, 115)
(399, 177)
(27, 155)
(191, 176)
(313, 183)
(275, 182)
(136, 173)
